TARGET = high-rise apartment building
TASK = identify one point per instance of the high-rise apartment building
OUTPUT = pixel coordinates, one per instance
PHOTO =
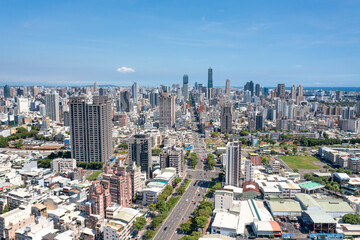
(137, 179)
(173, 157)
(233, 164)
(249, 171)
(293, 93)
(249, 86)
(186, 87)
(100, 199)
(227, 88)
(140, 152)
(52, 106)
(280, 91)
(120, 186)
(134, 92)
(226, 119)
(166, 110)
(259, 122)
(91, 129)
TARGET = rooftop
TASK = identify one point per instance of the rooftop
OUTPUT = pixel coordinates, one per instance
(310, 185)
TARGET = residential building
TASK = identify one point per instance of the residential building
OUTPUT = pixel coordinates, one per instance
(173, 157)
(226, 119)
(91, 129)
(233, 164)
(166, 110)
(140, 152)
(61, 165)
(52, 106)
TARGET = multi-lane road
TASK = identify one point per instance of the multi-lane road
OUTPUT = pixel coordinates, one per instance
(192, 196)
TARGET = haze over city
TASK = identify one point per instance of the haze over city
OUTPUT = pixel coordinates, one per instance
(315, 43)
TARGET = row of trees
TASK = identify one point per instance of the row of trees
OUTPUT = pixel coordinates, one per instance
(163, 208)
(46, 162)
(211, 161)
(200, 219)
(194, 160)
(21, 133)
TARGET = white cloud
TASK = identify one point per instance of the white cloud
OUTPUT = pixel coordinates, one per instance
(125, 70)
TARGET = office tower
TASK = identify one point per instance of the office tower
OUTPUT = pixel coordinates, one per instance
(99, 199)
(227, 88)
(186, 87)
(42, 109)
(137, 180)
(34, 91)
(280, 91)
(52, 106)
(91, 129)
(210, 83)
(124, 104)
(154, 96)
(120, 186)
(140, 152)
(233, 164)
(134, 92)
(265, 91)
(7, 90)
(226, 119)
(95, 89)
(249, 86)
(259, 122)
(196, 86)
(173, 157)
(257, 90)
(249, 171)
(293, 92)
(247, 96)
(66, 118)
(166, 110)
(23, 105)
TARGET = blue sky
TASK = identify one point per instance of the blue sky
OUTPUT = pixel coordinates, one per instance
(315, 43)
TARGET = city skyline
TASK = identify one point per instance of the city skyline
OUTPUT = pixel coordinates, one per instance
(310, 43)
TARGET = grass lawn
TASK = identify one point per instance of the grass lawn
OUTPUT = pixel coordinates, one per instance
(94, 175)
(300, 162)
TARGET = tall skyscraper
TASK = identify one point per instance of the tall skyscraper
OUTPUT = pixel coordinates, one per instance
(34, 91)
(134, 92)
(249, 86)
(227, 88)
(166, 110)
(96, 89)
(259, 122)
(226, 119)
(154, 97)
(7, 90)
(91, 129)
(52, 106)
(186, 87)
(124, 101)
(210, 83)
(233, 164)
(257, 90)
(140, 152)
(280, 91)
(293, 92)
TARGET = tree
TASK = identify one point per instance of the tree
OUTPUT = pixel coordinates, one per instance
(351, 218)
(226, 135)
(3, 142)
(162, 207)
(139, 223)
(149, 234)
(201, 221)
(294, 150)
(152, 207)
(177, 181)
(6, 209)
(244, 132)
(185, 227)
(156, 152)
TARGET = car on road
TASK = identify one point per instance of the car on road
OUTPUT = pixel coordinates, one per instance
(194, 203)
(165, 228)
